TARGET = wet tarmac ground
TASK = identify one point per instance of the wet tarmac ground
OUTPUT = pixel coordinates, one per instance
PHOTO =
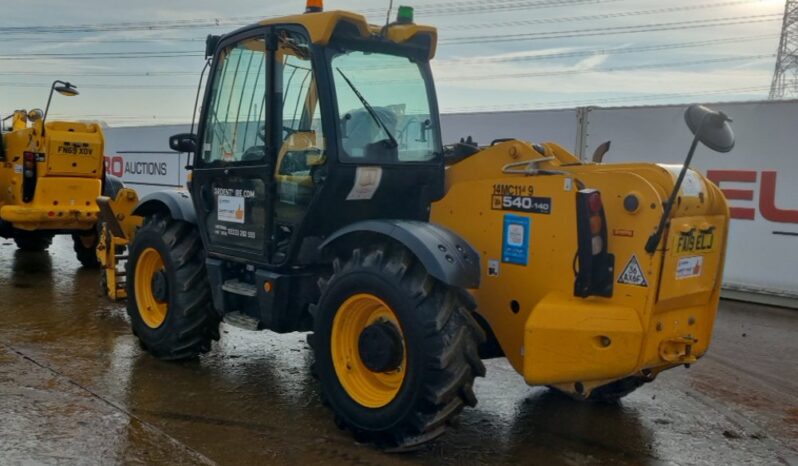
(76, 389)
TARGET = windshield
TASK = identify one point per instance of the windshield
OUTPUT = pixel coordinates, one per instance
(383, 108)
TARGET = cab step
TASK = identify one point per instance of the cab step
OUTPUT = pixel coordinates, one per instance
(240, 288)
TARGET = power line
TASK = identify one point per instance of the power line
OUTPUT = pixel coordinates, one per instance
(450, 8)
(444, 62)
(454, 41)
(99, 55)
(603, 16)
(605, 70)
(481, 7)
(679, 25)
(97, 86)
(109, 74)
(612, 51)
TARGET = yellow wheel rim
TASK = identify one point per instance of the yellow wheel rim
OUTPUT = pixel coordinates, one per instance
(368, 388)
(151, 310)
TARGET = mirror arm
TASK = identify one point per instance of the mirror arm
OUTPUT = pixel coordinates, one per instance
(47, 108)
(654, 239)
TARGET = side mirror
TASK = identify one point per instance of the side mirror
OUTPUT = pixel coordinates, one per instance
(67, 90)
(183, 142)
(211, 42)
(710, 127)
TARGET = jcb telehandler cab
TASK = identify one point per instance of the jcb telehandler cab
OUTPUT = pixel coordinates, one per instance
(318, 165)
(50, 176)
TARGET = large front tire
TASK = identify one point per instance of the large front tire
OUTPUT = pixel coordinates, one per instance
(169, 300)
(396, 351)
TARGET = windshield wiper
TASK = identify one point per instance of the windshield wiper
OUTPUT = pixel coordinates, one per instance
(371, 110)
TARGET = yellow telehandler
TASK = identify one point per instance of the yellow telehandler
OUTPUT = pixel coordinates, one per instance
(50, 176)
(322, 199)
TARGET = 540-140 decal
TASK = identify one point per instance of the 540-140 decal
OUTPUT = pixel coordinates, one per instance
(531, 204)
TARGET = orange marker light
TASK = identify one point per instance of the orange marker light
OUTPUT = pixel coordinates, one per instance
(314, 6)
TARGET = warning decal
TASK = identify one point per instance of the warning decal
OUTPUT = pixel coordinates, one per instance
(633, 274)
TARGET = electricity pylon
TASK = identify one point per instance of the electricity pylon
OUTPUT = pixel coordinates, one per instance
(785, 78)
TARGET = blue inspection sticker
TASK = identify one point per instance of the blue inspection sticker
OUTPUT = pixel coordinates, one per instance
(515, 242)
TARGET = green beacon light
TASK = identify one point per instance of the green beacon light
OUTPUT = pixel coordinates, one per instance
(405, 15)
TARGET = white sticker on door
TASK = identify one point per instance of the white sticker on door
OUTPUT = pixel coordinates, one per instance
(230, 209)
(633, 274)
(367, 180)
(493, 268)
(689, 267)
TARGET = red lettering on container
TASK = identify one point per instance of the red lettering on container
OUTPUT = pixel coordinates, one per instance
(767, 201)
(739, 176)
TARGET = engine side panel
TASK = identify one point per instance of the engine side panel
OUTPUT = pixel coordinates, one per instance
(546, 333)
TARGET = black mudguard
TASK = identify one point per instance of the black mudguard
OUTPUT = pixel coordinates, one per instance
(446, 256)
(177, 203)
(112, 185)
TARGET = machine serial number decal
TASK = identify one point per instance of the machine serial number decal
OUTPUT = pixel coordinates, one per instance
(75, 148)
(530, 204)
(513, 190)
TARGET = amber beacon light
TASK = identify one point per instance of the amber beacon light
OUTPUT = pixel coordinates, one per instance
(314, 6)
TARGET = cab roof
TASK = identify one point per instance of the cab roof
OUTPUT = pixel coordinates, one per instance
(321, 27)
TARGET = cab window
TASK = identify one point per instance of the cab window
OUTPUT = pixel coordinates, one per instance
(235, 127)
(384, 109)
(303, 146)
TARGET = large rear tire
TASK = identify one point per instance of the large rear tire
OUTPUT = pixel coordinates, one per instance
(169, 300)
(85, 246)
(396, 351)
(33, 241)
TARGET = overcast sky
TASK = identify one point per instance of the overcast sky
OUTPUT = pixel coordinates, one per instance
(492, 55)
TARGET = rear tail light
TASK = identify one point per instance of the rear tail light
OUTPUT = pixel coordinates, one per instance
(594, 272)
(28, 176)
(29, 164)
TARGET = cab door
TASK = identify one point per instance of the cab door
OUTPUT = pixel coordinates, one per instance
(232, 183)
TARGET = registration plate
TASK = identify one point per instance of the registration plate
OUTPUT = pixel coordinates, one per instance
(694, 242)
